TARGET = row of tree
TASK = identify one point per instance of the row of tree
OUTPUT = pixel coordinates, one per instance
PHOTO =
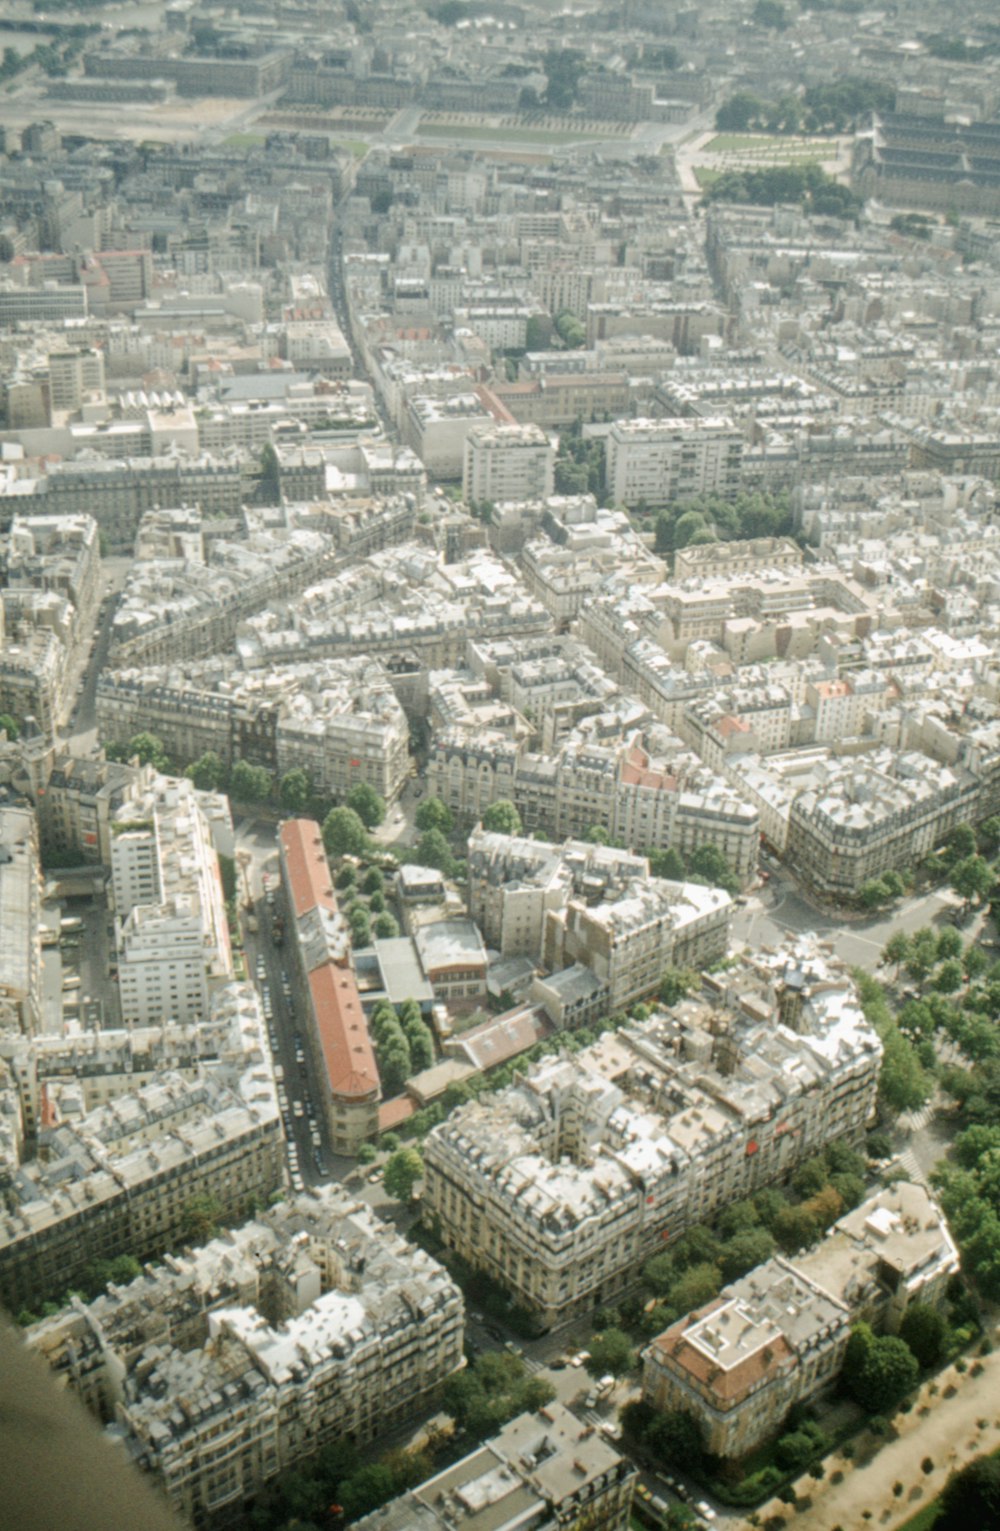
(709, 518)
(830, 107)
(806, 184)
(403, 1043)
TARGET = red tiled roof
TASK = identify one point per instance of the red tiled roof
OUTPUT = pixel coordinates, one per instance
(306, 866)
(343, 1031)
(393, 1112)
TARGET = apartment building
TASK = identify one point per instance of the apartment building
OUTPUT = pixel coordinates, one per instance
(171, 925)
(627, 942)
(540, 1472)
(652, 803)
(227, 1365)
(559, 1187)
(662, 461)
(326, 989)
(76, 377)
(777, 1337)
(514, 882)
(338, 719)
(507, 462)
(60, 554)
(121, 1177)
(881, 811)
(20, 922)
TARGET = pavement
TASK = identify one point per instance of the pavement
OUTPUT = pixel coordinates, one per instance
(780, 908)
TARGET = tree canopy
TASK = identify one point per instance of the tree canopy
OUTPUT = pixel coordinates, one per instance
(344, 833)
(402, 1171)
(367, 804)
(502, 818)
(878, 1369)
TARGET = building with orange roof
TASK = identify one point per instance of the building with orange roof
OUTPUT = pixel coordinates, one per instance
(326, 990)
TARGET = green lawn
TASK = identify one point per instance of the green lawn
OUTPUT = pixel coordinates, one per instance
(243, 140)
(502, 135)
(704, 176)
(730, 143)
(924, 1519)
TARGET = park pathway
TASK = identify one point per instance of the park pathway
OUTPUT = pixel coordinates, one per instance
(950, 1431)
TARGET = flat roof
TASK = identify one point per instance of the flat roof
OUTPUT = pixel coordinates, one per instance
(401, 970)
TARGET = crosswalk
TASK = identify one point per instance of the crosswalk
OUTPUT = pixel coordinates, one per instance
(913, 1121)
(908, 1162)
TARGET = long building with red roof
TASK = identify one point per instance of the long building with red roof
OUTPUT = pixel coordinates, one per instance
(326, 992)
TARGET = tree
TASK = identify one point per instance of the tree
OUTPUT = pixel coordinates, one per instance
(200, 1219)
(610, 1351)
(878, 1369)
(949, 977)
(366, 1489)
(795, 1228)
(745, 1251)
(9, 727)
(502, 818)
(366, 1154)
(367, 804)
(696, 1286)
(373, 881)
(949, 944)
(924, 1330)
(432, 814)
(270, 475)
(971, 1498)
(677, 1439)
(961, 843)
(207, 772)
(709, 862)
(343, 833)
(421, 1043)
(668, 864)
(250, 783)
(385, 926)
(676, 984)
(972, 878)
(149, 750)
(360, 926)
(402, 1171)
(295, 791)
(433, 850)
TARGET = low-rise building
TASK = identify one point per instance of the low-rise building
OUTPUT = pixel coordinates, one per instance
(777, 1337)
(326, 989)
(540, 1472)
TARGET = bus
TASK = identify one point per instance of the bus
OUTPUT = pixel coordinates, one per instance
(68, 925)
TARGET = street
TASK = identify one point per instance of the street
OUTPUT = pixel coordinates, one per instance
(779, 909)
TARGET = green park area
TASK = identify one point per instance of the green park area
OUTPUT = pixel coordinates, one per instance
(772, 147)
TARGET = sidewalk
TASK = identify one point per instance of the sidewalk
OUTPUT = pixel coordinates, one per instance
(945, 1429)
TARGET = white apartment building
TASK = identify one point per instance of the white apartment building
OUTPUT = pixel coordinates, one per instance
(172, 930)
(561, 1186)
(20, 922)
(662, 461)
(75, 378)
(507, 462)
